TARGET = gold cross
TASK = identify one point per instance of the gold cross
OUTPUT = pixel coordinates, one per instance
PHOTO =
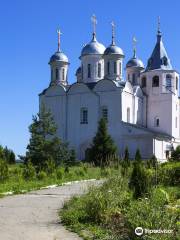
(113, 32)
(134, 46)
(94, 22)
(59, 38)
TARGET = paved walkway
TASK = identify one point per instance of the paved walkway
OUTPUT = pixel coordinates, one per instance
(34, 216)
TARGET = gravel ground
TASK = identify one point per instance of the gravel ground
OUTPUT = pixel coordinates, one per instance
(34, 216)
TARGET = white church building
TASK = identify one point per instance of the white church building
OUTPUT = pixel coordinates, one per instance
(142, 110)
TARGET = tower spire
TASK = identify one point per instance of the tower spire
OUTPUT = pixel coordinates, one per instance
(134, 47)
(94, 23)
(113, 33)
(59, 38)
(159, 34)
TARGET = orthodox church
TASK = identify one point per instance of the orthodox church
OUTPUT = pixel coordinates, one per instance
(142, 110)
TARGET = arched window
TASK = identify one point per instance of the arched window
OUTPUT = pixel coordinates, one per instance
(115, 67)
(156, 122)
(128, 115)
(176, 83)
(108, 68)
(168, 81)
(99, 70)
(63, 74)
(133, 78)
(57, 74)
(82, 71)
(84, 116)
(120, 67)
(155, 81)
(89, 70)
(143, 81)
(51, 73)
(164, 61)
(176, 122)
(104, 113)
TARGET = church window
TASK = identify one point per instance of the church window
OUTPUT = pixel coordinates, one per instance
(84, 116)
(82, 71)
(89, 70)
(57, 74)
(115, 67)
(176, 83)
(133, 78)
(120, 66)
(128, 77)
(176, 122)
(168, 81)
(108, 68)
(99, 70)
(164, 61)
(143, 82)
(155, 81)
(104, 113)
(63, 74)
(128, 115)
(156, 122)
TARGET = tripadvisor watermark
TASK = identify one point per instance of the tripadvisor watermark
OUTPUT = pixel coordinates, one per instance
(139, 231)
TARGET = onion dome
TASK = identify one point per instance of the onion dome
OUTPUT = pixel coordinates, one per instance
(134, 61)
(59, 57)
(113, 49)
(94, 47)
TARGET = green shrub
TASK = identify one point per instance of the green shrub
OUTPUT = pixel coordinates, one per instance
(169, 174)
(175, 155)
(59, 174)
(29, 172)
(42, 175)
(139, 180)
(105, 172)
(50, 166)
(80, 172)
(4, 171)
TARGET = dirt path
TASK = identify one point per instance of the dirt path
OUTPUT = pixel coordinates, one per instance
(34, 216)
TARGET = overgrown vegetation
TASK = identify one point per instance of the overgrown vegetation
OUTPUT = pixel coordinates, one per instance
(20, 178)
(147, 196)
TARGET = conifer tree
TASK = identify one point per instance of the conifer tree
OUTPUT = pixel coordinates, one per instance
(44, 146)
(103, 146)
(139, 180)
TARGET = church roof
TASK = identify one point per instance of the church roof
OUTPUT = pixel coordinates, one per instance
(159, 58)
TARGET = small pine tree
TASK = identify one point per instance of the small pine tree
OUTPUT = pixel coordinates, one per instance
(175, 155)
(103, 146)
(138, 156)
(139, 180)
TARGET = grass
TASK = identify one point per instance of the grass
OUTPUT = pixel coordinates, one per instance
(17, 184)
(111, 213)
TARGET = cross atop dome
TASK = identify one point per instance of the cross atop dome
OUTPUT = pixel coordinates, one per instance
(59, 38)
(94, 23)
(134, 46)
(113, 32)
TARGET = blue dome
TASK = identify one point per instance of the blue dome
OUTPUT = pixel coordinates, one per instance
(94, 47)
(113, 49)
(135, 62)
(59, 56)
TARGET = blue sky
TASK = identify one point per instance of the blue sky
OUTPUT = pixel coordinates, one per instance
(28, 39)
